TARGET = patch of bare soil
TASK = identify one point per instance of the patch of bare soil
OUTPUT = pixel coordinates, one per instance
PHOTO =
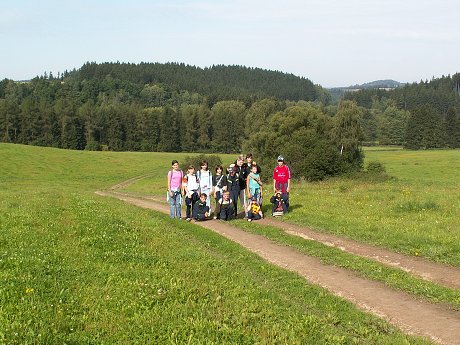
(438, 273)
(435, 321)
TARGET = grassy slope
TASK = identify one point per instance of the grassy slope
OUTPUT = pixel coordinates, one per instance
(416, 213)
(78, 268)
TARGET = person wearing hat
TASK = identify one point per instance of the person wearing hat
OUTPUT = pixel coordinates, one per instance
(282, 178)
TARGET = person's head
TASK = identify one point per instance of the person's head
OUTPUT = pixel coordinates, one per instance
(278, 192)
(280, 160)
(175, 164)
(219, 169)
(254, 169)
(226, 195)
(231, 169)
(249, 158)
(190, 169)
(240, 161)
(203, 197)
(204, 165)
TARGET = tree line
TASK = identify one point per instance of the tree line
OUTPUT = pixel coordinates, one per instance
(418, 116)
(99, 111)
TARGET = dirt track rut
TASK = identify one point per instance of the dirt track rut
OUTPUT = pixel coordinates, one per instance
(435, 321)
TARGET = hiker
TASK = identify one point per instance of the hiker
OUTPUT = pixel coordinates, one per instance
(250, 162)
(254, 211)
(282, 179)
(191, 190)
(219, 183)
(242, 176)
(279, 203)
(254, 185)
(233, 186)
(200, 208)
(174, 194)
(224, 208)
(205, 180)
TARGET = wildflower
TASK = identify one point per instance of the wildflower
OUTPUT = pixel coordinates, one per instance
(29, 290)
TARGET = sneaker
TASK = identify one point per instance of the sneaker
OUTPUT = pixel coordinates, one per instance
(188, 219)
(249, 220)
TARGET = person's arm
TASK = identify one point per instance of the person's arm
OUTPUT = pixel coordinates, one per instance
(169, 183)
(248, 190)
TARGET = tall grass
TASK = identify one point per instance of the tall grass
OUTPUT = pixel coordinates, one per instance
(78, 268)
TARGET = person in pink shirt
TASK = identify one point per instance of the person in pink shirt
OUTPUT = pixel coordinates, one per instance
(175, 176)
(282, 178)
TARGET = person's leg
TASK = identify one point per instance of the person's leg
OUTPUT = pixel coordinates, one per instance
(188, 204)
(218, 196)
(172, 206)
(178, 198)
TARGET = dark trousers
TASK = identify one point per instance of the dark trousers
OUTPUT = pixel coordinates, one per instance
(234, 196)
(253, 216)
(227, 212)
(189, 202)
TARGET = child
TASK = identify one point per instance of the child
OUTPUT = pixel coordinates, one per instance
(200, 208)
(254, 185)
(233, 186)
(282, 178)
(254, 211)
(224, 209)
(174, 195)
(205, 177)
(191, 189)
(219, 183)
(280, 206)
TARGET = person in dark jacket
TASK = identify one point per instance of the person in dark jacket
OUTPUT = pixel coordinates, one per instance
(200, 208)
(233, 186)
(279, 202)
(224, 209)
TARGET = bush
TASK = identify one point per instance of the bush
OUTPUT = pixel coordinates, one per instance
(213, 161)
(376, 168)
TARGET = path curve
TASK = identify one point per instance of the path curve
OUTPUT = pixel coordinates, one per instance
(435, 321)
(442, 274)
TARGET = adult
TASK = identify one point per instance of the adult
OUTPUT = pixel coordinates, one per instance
(242, 174)
(205, 180)
(250, 162)
(282, 178)
(175, 176)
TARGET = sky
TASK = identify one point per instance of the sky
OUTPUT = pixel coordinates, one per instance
(333, 43)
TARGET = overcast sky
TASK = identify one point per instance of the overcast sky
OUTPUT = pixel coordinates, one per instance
(332, 43)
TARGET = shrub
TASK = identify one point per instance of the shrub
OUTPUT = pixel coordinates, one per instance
(376, 168)
(213, 161)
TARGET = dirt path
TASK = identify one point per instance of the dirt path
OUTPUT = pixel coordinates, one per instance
(435, 321)
(440, 274)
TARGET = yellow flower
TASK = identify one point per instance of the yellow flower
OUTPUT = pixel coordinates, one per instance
(29, 290)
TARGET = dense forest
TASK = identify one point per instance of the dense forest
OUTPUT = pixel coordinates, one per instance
(419, 116)
(224, 109)
(174, 107)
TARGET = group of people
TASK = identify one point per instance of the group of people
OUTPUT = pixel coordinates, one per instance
(241, 180)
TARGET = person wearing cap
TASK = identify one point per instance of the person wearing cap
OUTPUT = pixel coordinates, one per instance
(282, 178)
(279, 202)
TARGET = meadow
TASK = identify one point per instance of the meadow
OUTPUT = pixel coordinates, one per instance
(79, 268)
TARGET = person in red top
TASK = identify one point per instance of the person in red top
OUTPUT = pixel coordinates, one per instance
(282, 178)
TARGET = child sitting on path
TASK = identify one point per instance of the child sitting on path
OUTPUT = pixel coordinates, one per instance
(254, 211)
(280, 206)
(225, 209)
(201, 209)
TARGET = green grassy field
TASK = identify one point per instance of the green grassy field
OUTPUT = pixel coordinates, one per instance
(79, 268)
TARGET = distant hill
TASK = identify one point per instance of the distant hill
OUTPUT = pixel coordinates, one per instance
(387, 84)
(378, 84)
(217, 82)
